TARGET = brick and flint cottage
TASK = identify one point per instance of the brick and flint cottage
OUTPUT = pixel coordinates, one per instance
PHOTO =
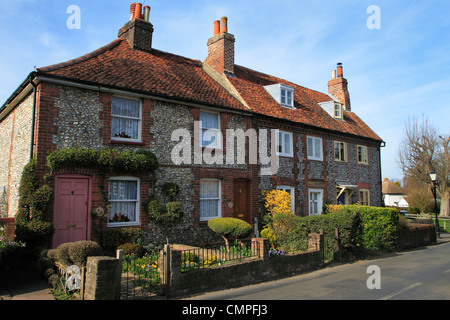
(128, 95)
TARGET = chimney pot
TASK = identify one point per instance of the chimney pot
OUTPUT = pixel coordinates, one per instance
(147, 13)
(138, 11)
(132, 10)
(224, 24)
(340, 72)
(216, 27)
(333, 74)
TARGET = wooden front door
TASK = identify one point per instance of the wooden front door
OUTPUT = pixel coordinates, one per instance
(242, 200)
(71, 210)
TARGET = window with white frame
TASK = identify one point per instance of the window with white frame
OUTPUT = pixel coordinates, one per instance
(315, 201)
(291, 191)
(126, 116)
(340, 151)
(286, 97)
(364, 197)
(210, 124)
(284, 144)
(124, 201)
(362, 155)
(314, 148)
(210, 199)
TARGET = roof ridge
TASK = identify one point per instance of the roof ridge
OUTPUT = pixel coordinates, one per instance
(83, 58)
(288, 81)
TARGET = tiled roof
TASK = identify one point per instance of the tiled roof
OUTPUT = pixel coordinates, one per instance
(390, 187)
(157, 73)
(172, 76)
(250, 85)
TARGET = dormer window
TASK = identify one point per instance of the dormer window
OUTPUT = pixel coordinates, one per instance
(338, 111)
(287, 97)
(334, 109)
(282, 94)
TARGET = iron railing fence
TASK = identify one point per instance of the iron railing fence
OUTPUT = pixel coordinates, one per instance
(217, 255)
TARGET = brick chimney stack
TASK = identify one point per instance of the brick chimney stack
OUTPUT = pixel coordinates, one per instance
(138, 31)
(221, 48)
(338, 87)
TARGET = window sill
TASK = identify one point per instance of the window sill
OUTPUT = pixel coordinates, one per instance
(122, 224)
(134, 143)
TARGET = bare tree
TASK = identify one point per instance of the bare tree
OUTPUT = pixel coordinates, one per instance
(422, 151)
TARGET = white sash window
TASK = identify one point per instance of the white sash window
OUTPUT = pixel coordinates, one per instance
(126, 119)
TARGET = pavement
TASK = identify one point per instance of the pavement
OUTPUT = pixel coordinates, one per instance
(32, 286)
(25, 284)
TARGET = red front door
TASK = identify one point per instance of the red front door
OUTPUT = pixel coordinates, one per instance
(71, 210)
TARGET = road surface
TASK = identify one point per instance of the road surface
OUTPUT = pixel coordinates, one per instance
(420, 274)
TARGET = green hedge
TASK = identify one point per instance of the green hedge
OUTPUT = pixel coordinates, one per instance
(292, 232)
(110, 160)
(380, 226)
(360, 227)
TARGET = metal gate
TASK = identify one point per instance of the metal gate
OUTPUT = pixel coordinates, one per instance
(141, 276)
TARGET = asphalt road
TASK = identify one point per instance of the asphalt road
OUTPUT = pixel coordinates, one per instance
(420, 274)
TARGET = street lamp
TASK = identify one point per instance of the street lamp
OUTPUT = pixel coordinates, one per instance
(433, 177)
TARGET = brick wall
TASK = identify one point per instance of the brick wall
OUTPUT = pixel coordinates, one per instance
(245, 273)
(102, 280)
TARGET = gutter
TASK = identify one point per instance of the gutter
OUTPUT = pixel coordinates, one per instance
(33, 119)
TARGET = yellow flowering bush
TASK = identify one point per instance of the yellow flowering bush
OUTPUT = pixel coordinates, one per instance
(277, 201)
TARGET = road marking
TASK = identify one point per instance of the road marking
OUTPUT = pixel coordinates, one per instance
(401, 291)
(448, 271)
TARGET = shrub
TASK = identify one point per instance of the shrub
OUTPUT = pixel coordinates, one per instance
(31, 227)
(11, 252)
(62, 254)
(112, 238)
(267, 233)
(277, 201)
(132, 249)
(35, 233)
(349, 225)
(165, 218)
(230, 228)
(79, 251)
(291, 232)
(380, 226)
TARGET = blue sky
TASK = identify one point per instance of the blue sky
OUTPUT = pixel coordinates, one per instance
(395, 73)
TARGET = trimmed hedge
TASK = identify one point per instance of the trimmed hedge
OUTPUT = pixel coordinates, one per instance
(110, 159)
(360, 227)
(292, 232)
(380, 226)
(77, 252)
(230, 227)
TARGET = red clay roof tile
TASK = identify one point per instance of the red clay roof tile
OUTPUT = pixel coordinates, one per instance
(173, 76)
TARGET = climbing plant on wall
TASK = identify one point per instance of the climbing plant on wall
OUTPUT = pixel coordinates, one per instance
(31, 225)
(108, 160)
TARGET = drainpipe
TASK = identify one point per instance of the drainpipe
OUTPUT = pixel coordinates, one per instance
(33, 114)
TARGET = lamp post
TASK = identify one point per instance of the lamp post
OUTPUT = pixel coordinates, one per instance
(433, 177)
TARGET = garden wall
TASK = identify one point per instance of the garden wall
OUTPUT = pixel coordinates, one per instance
(263, 268)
